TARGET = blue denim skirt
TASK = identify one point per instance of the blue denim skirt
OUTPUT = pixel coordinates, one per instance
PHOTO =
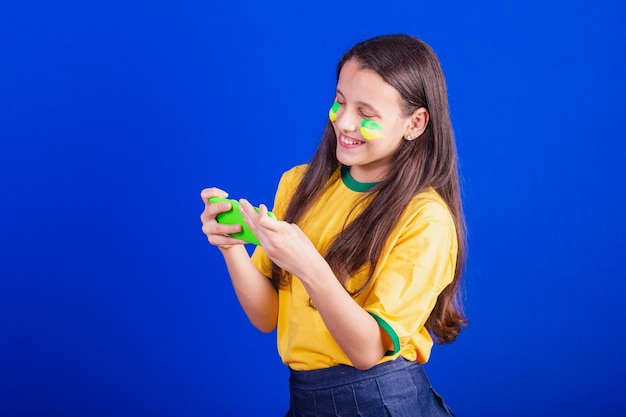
(395, 388)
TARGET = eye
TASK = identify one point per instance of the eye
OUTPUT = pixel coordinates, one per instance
(366, 115)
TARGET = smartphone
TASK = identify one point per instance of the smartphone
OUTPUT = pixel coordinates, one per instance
(234, 216)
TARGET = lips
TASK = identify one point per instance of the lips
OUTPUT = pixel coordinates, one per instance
(349, 142)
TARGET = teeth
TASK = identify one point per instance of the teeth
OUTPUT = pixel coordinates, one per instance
(349, 141)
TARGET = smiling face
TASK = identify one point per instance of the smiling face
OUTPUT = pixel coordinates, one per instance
(368, 122)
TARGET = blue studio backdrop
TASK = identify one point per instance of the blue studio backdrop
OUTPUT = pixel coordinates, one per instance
(115, 114)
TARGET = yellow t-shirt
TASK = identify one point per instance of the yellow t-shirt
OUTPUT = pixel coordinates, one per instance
(415, 265)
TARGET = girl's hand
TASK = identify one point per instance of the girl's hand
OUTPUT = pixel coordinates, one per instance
(215, 232)
(284, 243)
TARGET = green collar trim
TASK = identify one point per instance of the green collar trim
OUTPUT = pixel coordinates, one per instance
(354, 185)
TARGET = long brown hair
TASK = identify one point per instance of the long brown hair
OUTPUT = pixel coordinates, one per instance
(412, 68)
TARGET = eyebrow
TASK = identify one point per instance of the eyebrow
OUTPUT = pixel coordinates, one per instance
(362, 103)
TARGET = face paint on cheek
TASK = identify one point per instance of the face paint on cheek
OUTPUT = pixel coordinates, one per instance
(371, 130)
(332, 114)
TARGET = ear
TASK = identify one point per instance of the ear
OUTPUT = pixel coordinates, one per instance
(417, 123)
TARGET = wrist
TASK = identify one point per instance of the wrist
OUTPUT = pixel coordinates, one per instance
(317, 273)
(230, 250)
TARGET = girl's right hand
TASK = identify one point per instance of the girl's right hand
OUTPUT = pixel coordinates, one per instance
(216, 233)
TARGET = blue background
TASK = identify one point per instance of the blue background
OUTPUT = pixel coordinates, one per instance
(114, 115)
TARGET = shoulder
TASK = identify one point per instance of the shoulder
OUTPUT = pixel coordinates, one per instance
(286, 187)
(429, 206)
(294, 175)
(427, 225)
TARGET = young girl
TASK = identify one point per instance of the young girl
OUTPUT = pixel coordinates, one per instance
(362, 271)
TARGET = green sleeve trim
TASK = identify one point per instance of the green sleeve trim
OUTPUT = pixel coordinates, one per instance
(392, 334)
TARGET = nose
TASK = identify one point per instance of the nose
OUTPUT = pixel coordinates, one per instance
(347, 120)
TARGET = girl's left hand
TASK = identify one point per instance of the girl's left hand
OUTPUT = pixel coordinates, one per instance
(284, 243)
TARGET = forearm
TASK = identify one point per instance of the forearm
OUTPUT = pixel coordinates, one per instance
(355, 331)
(256, 294)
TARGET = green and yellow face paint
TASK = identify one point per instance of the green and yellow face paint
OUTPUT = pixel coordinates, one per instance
(371, 130)
(332, 114)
